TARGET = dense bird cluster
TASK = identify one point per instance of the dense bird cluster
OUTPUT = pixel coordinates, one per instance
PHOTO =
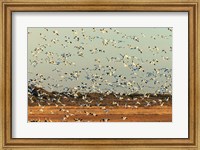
(57, 62)
(120, 62)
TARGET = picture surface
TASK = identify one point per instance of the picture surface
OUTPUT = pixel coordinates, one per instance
(99, 74)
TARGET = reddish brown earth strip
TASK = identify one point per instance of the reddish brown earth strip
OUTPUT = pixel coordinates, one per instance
(99, 114)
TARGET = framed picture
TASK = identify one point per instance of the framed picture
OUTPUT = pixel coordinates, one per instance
(107, 75)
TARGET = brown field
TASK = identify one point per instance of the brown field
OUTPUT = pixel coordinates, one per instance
(44, 106)
(99, 114)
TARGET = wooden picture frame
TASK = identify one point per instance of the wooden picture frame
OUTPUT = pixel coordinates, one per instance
(9, 6)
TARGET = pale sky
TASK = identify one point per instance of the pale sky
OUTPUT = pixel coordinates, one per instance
(125, 60)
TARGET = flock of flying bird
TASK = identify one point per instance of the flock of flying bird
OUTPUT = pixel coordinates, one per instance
(100, 60)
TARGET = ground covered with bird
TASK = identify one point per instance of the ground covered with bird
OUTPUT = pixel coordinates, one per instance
(53, 106)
